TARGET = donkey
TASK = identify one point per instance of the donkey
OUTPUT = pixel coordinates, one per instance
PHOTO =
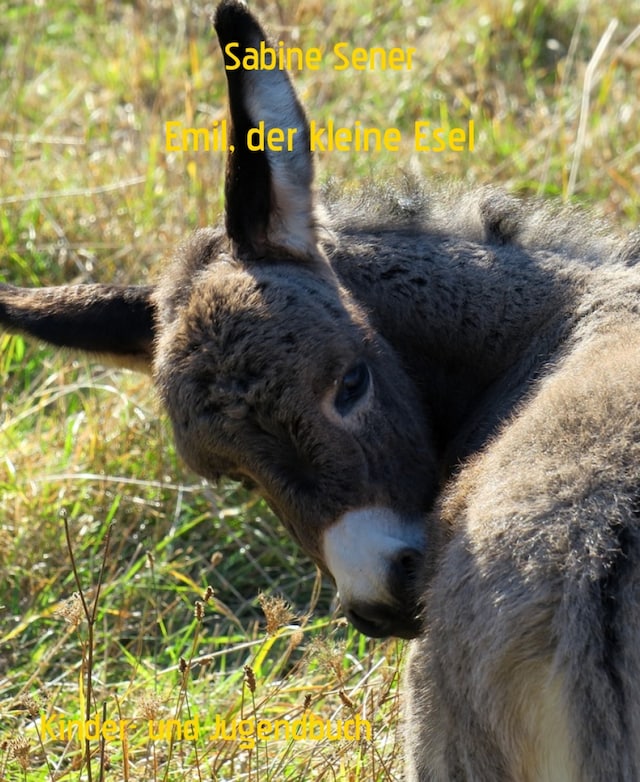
(443, 412)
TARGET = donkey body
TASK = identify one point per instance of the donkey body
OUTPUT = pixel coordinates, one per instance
(444, 415)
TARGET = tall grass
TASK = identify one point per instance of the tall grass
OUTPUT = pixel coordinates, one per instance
(107, 543)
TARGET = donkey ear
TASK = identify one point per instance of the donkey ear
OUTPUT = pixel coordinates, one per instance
(269, 196)
(116, 323)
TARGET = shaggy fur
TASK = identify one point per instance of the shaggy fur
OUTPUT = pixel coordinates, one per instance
(437, 392)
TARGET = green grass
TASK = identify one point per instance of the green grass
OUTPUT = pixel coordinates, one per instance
(89, 193)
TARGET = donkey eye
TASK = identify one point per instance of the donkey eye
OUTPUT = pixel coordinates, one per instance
(353, 386)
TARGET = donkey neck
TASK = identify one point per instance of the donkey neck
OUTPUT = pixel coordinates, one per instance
(473, 323)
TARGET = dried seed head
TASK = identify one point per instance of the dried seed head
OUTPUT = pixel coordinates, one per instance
(151, 561)
(296, 639)
(198, 611)
(208, 594)
(71, 610)
(277, 612)
(183, 666)
(250, 678)
(19, 750)
(216, 558)
(307, 702)
(330, 656)
(149, 706)
(34, 705)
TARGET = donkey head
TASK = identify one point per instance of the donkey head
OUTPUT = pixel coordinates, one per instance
(270, 370)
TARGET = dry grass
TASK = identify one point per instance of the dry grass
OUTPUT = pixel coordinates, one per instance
(88, 192)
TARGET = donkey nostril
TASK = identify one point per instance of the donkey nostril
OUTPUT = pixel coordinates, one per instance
(408, 562)
(403, 575)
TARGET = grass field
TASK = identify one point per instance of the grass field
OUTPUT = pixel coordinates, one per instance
(107, 542)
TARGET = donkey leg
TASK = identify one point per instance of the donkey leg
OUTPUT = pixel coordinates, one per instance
(439, 746)
(501, 721)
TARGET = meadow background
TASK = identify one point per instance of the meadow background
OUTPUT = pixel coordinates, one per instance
(93, 500)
